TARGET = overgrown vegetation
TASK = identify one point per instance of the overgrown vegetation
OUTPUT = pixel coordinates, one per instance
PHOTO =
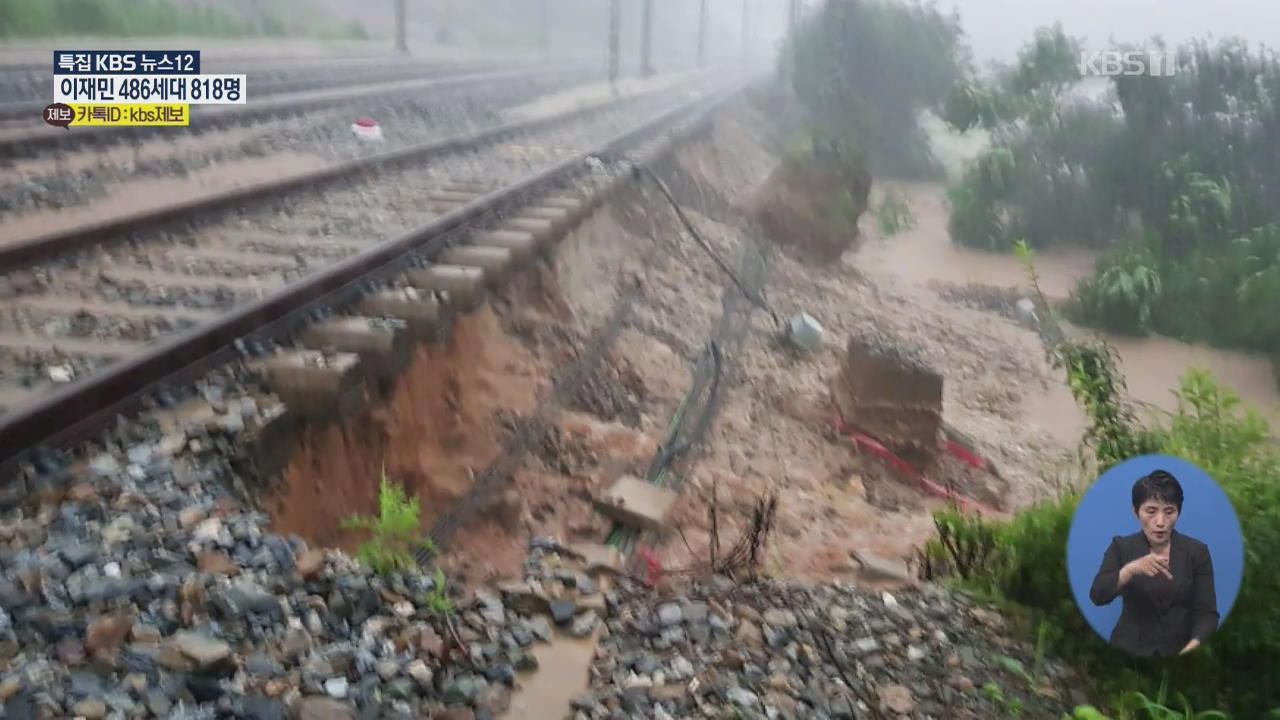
(893, 213)
(438, 600)
(1174, 176)
(1021, 561)
(863, 72)
(396, 533)
(40, 18)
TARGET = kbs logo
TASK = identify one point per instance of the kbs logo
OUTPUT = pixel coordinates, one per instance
(1131, 62)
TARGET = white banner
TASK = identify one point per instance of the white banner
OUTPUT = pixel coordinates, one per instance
(135, 89)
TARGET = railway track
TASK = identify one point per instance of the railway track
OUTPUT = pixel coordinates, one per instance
(413, 235)
(178, 162)
(28, 136)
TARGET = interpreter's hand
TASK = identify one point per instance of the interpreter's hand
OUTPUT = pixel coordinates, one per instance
(1150, 565)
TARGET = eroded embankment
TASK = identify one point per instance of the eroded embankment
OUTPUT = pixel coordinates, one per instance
(450, 415)
(463, 400)
(437, 430)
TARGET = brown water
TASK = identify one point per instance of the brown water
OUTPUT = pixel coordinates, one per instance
(1152, 366)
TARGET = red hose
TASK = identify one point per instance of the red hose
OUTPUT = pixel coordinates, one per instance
(866, 442)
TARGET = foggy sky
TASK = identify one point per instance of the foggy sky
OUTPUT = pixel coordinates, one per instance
(995, 29)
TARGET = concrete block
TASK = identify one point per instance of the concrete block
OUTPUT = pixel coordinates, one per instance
(312, 383)
(494, 261)
(422, 314)
(598, 557)
(805, 332)
(522, 245)
(464, 285)
(888, 394)
(881, 569)
(632, 501)
(383, 346)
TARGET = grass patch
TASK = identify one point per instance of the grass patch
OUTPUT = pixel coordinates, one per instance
(396, 533)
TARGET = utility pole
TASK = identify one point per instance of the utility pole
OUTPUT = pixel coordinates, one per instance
(702, 33)
(401, 46)
(746, 25)
(615, 32)
(544, 28)
(793, 18)
(646, 39)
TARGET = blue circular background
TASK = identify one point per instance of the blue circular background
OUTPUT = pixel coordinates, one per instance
(1106, 510)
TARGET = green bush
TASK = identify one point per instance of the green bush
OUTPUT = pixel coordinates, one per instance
(1026, 564)
(1179, 186)
(893, 213)
(1022, 560)
(396, 531)
(864, 71)
(1050, 175)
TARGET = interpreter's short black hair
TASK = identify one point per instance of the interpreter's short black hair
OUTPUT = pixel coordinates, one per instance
(1160, 486)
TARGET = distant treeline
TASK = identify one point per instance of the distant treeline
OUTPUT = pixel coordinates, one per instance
(1176, 178)
(44, 18)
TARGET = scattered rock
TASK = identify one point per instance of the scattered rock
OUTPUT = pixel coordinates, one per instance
(310, 563)
(670, 614)
(314, 708)
(206, 652)
(896, 699)
(108, 632)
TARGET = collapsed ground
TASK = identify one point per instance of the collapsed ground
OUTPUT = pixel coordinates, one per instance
(459, 403)
(169, 591)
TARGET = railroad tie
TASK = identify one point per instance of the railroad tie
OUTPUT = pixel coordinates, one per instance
(495, 262)
(464, 285)
(384, 346)
(560, 218)
(542, 229)
(425, 317)
(521, 245)
(314, 384)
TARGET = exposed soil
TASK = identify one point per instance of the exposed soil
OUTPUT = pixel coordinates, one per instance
(436, 432)
(458, 404)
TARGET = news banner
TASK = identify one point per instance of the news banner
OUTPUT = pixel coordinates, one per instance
(135, 88)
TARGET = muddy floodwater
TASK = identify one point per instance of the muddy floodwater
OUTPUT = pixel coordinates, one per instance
(1152, 365)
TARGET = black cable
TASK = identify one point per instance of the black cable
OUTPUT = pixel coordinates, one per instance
(672, 449)
(747, 292)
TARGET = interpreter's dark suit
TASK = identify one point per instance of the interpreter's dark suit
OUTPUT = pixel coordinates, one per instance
(1160, 615)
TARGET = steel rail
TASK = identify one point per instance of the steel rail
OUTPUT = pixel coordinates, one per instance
(25, 251)
(89, 401)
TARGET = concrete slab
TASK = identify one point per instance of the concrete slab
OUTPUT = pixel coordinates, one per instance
(879, 569)
(598, 557)
(632, 501)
